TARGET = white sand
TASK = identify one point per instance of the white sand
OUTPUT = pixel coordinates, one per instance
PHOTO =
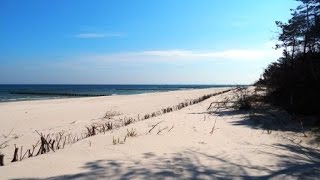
(234, 150)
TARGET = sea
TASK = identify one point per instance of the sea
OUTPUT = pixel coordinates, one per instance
(23, 92)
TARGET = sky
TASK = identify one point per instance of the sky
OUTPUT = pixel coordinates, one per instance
(138, 42)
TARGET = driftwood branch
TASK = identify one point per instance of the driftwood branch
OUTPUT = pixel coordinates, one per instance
(214, 126)
(160, 130)
(171, 128)
(153, 126)
(6, 136)
(4, 145)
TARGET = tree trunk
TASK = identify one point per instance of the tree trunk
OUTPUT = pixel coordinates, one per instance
(305, 41)
(293, 48)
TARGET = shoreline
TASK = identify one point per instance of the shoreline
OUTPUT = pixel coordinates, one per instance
(22, 119)
(178, 144)
(111, 95)
(13, 93)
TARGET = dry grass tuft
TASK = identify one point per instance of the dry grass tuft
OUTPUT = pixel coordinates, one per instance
(131, 133)
(128, 121)
(111, 114)
(116, 141)
(147, 116)
(91, 130)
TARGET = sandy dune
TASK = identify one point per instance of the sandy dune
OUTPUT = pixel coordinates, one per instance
(182, 146)
(20, 120)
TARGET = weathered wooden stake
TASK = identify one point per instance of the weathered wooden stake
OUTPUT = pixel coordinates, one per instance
(1, 159)
(15, 155)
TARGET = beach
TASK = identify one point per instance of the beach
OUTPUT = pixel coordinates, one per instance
(185, 143)
(160, 90)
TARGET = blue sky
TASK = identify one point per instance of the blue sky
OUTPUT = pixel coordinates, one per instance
(138, 42)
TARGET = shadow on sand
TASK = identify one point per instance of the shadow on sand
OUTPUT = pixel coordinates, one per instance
(302, 163)
(267, 118)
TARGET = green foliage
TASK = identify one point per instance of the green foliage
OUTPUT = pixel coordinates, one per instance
(293, 82)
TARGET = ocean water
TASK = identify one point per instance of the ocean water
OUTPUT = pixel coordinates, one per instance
(36, 92)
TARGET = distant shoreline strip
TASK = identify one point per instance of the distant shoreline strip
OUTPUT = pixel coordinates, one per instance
(57, 94)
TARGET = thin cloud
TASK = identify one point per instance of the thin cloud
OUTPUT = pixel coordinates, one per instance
(98, 35)
(188, 55)
(226, 54)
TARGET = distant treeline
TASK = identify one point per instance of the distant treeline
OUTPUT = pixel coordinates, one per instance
(293, 81)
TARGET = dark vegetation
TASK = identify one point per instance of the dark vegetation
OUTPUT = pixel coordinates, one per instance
(252, 104)
(293, 81)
